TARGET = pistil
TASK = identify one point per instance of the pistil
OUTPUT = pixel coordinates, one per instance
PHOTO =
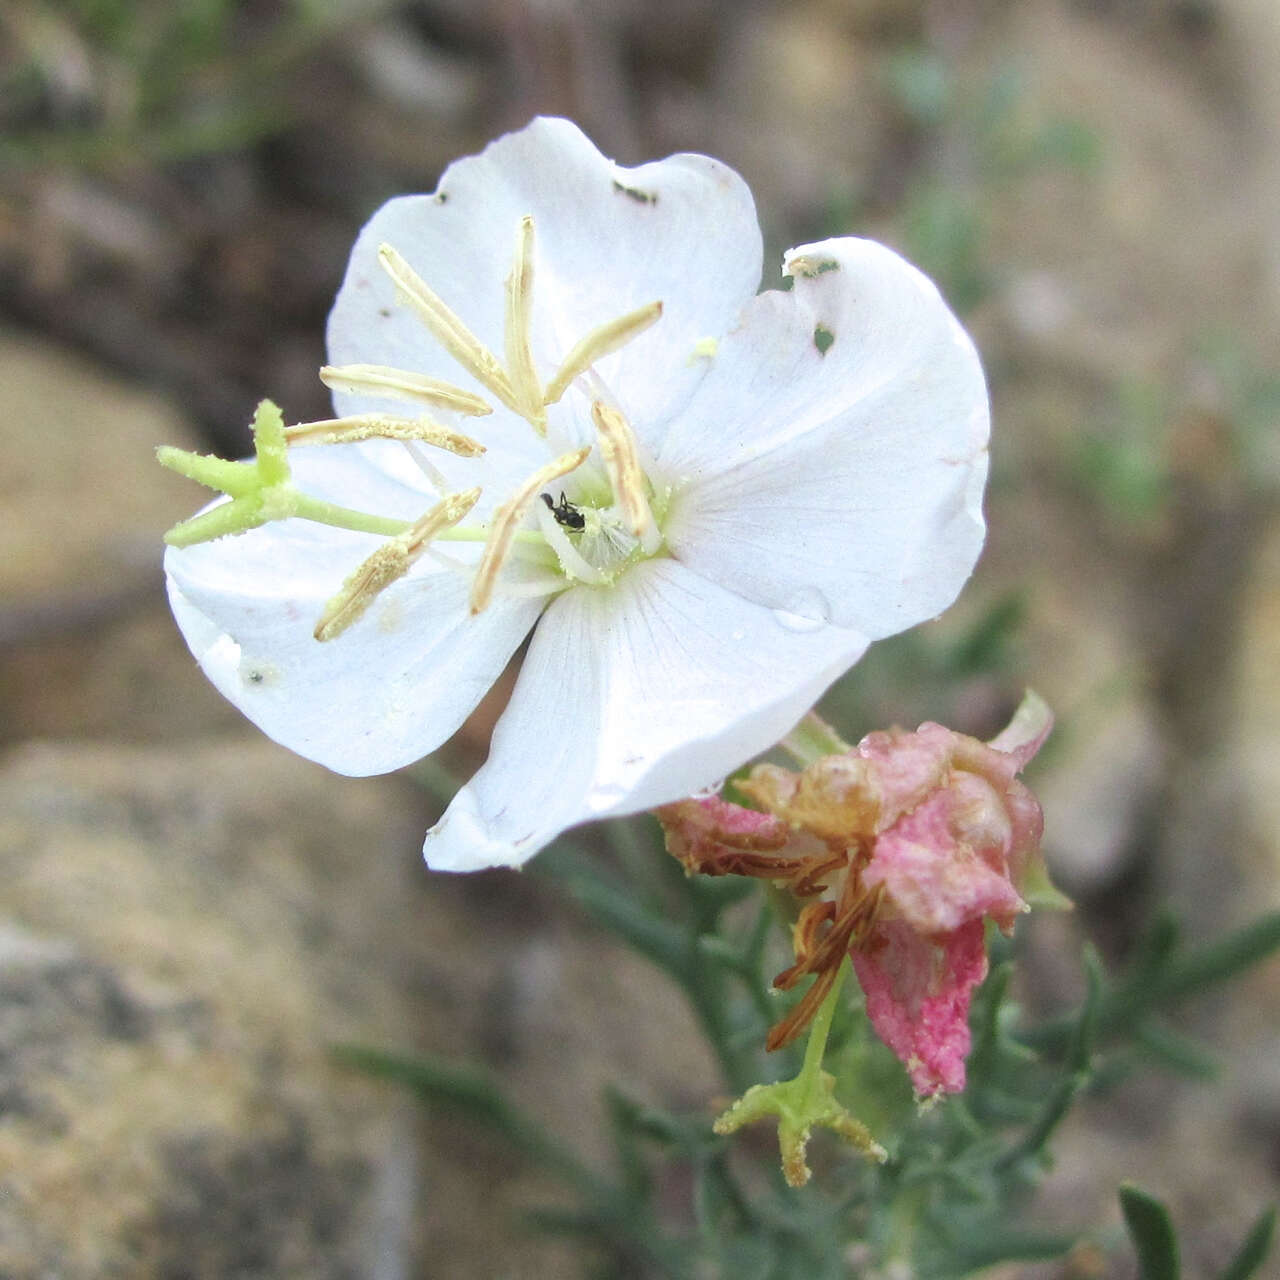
(612, 536)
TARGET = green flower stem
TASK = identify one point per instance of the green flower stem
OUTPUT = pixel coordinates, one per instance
(819, 1030)
(807, 1100)
(812, 739)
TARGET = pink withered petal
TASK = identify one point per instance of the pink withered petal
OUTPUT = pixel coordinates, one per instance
(936, 882)
(918, 994)
(908, 766)
(706, 822)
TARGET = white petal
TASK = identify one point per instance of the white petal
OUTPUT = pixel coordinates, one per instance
(601, 251)
(845, 485)
(630, 697)
(384, 693)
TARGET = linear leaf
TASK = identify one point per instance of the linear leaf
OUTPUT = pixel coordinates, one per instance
(1152, 1234)
(1253, 1252)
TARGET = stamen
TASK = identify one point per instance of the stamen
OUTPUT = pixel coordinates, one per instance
(520, 367)
(383, 426)
(601, 342)
(447, 327)
(507, 517)
(622, 462)
(399, 384)
(388, 563)
(572, 561)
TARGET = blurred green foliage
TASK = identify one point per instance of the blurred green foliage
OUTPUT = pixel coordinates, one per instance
(98, 83)
(972, 143)
(954, 1195)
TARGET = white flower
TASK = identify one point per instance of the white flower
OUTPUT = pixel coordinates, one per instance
(755, 486)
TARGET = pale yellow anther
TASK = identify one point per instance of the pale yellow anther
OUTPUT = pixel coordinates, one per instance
(605, 340)
(399, 384)
(621, 461)
(383, 426)
(519, 318)
(388, 563)
(447, 327)
(506, 520)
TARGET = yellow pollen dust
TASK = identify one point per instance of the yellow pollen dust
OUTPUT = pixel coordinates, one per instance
(621, 460)
(513, 381)
(390, 562)
(383, 426)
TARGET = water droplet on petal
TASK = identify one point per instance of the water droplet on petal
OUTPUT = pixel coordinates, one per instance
(806, 610)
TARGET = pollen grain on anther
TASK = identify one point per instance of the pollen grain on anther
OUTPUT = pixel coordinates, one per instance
(388, 563)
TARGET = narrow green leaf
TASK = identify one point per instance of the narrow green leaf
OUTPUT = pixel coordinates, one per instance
(967, 1257)
(1161, 978)
(982, 1057)
(471, 1092)
(1176, 1051)
(1152, 1234)
(633, 1171)
(1077, 1070)
(1222, 960)
(610, 904)
(1253, 1252)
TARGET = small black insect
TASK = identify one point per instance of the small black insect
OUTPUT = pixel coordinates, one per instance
(567, 515)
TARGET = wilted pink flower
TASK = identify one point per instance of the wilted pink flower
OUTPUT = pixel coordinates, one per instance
(905, 844)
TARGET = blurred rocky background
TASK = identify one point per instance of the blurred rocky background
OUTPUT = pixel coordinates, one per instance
(190, 917)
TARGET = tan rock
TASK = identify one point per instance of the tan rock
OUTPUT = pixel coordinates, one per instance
(183, 937)
(87, 645)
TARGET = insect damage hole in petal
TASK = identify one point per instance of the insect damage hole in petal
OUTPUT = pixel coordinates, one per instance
(600, 255)
(857, 472)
